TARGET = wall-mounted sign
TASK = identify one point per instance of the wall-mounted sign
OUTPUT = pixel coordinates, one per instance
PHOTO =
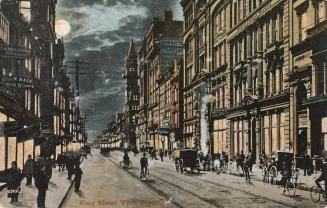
(15, 52)
(169, 49)
(19, 82)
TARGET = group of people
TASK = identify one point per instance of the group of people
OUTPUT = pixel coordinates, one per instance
(162, 153)
(72, 163)
(41, 170)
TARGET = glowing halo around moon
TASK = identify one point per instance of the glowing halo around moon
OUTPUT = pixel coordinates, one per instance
(62, 27)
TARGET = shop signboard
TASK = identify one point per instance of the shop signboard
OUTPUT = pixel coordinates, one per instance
(17, 52)
(18, 82)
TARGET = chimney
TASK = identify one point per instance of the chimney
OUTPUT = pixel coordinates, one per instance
(168, 16)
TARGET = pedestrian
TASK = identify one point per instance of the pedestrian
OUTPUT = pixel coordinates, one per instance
(70, 167)
(28, 170)
(247, 167)
(286, 174)
(61, 162)
(169, 154)
(48, 167)
(78, 178)
(306, 164)
(161, 153)
(41, 183)
(13, 183)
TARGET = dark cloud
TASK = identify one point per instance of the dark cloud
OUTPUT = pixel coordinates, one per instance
(131, 26)
(99, 99)
(79, 3)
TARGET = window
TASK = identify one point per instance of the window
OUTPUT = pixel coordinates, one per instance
(267, 33)
(244, 8)
(188, 17)
(235, 13)
(302, 20)
(320, 11)
(281, 25)
(240, 10)
(25, 9)
(201, 36)
(274, 29)
(4, 30)
(321, 77)
(220, 141)
(254, 4)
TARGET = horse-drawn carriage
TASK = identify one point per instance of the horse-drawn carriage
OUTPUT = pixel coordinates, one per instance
(186, 160)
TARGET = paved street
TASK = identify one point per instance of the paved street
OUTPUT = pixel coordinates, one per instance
(105, 182)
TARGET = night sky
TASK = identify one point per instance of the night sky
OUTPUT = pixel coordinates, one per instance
(101, 32)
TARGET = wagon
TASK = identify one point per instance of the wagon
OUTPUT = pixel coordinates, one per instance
(188, 160)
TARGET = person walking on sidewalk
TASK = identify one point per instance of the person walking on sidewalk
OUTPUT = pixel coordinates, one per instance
(13, 183)
(48, 167)
(41, 183)
(161, 153)
(70, 167)
(306, 164)
(28, 170)
(78, 178)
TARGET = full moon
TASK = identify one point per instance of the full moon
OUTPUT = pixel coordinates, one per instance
(62, 27)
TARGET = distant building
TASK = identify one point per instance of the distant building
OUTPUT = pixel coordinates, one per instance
(161, 43)
(132, 96)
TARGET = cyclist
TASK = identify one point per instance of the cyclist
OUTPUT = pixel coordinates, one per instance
(323, 176)
(144, 165)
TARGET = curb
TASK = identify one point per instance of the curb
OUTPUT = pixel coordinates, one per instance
(66, 194)
(68, 190)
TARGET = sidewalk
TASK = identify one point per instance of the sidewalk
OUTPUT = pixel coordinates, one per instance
(58, 188)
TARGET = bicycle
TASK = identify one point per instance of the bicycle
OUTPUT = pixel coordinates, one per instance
(125, 164)
(222, 169)
(316, 193)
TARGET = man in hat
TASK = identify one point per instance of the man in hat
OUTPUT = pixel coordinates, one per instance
(28, 170)
(78, 177)
(41, 183)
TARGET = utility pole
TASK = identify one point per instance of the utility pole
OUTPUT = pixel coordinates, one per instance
(77, 67)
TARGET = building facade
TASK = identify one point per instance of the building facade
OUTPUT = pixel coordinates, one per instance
(30, 55)
(154, 59)
(264, 76)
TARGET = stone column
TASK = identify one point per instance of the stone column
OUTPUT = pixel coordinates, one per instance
(260, 61)
(258, 139)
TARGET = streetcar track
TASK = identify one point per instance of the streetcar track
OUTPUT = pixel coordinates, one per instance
(150, 186)
(209, 201)
(225, 186)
